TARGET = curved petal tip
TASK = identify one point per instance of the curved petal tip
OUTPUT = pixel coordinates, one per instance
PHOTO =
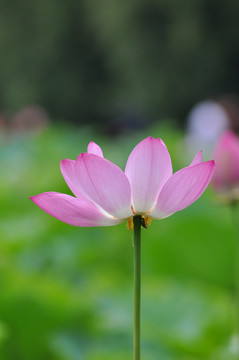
(95, 149)
(197, 159)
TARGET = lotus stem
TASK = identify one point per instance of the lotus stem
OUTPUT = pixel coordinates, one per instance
(137, 286)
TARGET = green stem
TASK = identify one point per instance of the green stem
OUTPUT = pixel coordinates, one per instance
(235, 219)
(137, 285)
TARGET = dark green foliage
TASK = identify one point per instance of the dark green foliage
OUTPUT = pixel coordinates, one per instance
(98, 60)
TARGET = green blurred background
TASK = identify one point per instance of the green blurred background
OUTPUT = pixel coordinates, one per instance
(112, 72)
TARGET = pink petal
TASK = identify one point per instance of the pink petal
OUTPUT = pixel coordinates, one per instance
(72, 210)
(197, 159)
(68, 169)
(148, 167)
(183, 188)
(69, 174)
(105, 184)
(95, 149)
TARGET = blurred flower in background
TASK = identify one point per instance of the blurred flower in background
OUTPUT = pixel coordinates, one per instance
(206, 121)
(226, 175)
(30, 120)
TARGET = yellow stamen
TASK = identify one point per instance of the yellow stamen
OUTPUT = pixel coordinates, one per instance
(130, 224)
(146, 221)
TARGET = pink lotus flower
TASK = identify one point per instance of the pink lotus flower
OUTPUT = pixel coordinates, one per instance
(226, 176)
(105, 195)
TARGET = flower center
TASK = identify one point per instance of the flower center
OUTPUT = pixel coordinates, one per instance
(145, 222)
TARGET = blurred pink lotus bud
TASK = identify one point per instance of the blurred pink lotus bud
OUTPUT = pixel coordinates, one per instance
(226, 155)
